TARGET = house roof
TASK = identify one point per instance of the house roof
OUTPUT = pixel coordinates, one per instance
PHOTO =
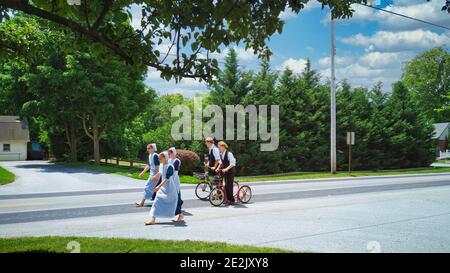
(440, 128)
(13, 129)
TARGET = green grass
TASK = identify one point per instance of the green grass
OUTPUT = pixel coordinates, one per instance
(115, 245)
(133, 172)
(6, 176)
(444, 161)
(312, 175)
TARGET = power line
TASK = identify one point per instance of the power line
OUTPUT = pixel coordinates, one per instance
(406, 16)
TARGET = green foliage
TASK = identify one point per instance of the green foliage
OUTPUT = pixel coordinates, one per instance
(61, 85)
(391, 131)
(427, 76)
(191, 27)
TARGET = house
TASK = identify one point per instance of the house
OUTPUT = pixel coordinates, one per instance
(440, 134)
(14, 138)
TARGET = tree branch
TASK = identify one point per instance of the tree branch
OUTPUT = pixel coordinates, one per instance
(25, 7)
(29, 9)
(106, 6)
(85, 128)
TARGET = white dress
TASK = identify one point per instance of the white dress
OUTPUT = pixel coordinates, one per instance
(151, 184)
(166, 199)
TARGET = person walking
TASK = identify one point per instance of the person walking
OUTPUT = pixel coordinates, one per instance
(166, 192)
(153, 166)
(176, 163)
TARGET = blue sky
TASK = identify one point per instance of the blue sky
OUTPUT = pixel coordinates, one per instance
(372, 46)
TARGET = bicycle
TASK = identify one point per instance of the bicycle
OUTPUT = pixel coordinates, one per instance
(218, 194)
(204, 189)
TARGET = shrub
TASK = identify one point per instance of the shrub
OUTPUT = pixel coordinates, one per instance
(190, 161)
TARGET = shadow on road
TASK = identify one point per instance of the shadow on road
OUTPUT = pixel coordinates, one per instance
(54, 168)
(172, 224)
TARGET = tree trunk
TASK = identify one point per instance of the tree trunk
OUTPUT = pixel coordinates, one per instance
(73, 146)
(131, 163)
(117, 160)
(96, 146)
(95, 135)
(72, 142)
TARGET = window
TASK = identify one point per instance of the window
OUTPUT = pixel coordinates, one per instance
(35, 147)
(6, 147)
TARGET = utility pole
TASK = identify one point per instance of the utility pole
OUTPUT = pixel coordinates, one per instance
(333, 100)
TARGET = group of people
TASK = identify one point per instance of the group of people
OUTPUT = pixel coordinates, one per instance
(163, 185)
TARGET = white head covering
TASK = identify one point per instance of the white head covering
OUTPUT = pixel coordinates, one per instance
(174, 151)
(165, 154)
(154, 146)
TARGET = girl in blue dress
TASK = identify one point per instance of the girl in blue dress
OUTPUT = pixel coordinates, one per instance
(176, 163)
(166, 192)
(153, 166)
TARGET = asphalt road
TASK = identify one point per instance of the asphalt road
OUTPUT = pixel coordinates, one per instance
(378, 214)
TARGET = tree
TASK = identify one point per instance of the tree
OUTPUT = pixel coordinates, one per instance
(108, 92)
(33, 80)
(191, 29)
(410, 142)
(427, 76)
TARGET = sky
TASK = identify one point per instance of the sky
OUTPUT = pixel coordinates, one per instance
(372, 46)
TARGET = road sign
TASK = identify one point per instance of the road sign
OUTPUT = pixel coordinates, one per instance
(350, 142)
(350, 138)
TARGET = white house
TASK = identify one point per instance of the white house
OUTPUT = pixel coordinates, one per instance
(441, 135)
(14, 138)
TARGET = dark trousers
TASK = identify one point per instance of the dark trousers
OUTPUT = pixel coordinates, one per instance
(179, 204)
(229, 179)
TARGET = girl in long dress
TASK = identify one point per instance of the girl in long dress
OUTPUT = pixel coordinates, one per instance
(166, 192)
(176, 163)
(153, 167)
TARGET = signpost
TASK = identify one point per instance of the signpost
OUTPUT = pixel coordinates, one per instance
(333, 100)
(350, 142)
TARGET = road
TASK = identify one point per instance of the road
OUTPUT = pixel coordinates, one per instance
(408, 213)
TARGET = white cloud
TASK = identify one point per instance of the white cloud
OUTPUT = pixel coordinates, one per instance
(386, 59)
(399, 41)
(243, 55)
(367, 69)
(136, 16)
(289, 14)
(326, 61)
(188, 87)
(420, 9)
(297, 66)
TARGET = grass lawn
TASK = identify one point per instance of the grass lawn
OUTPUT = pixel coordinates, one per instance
(6, 176)
(115, 245)
(312, 175)
(133, 172)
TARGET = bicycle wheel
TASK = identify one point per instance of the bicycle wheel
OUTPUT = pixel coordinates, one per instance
(217, 197)
(203, 190)
(235, 188)
(245, 194)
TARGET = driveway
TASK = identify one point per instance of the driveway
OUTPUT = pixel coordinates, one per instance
(42, 176)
